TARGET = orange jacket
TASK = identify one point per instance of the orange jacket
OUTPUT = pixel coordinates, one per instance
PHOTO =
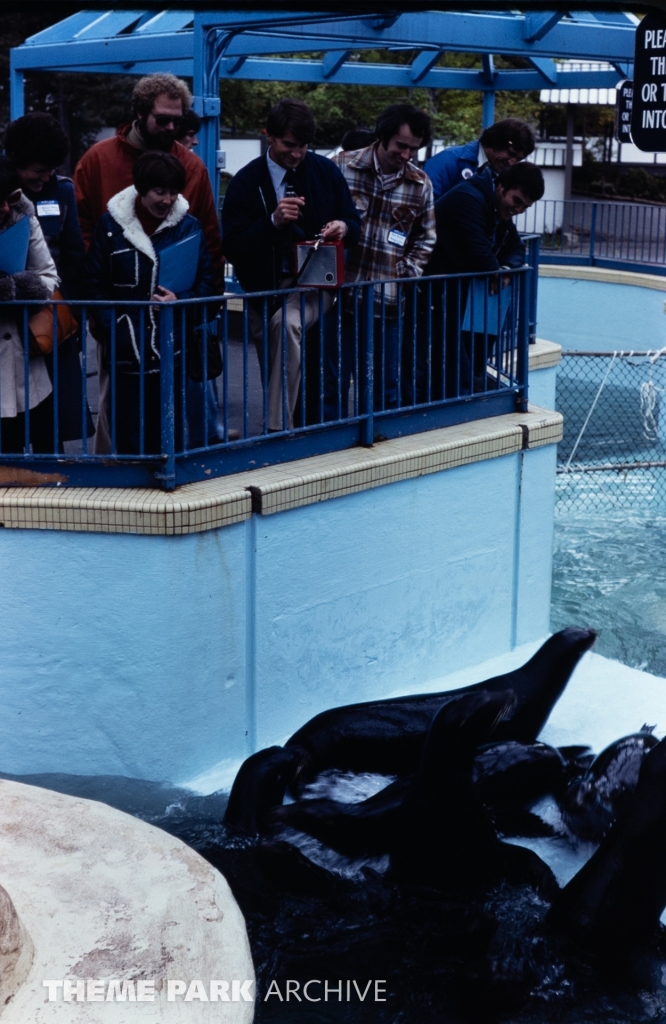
(106, 168)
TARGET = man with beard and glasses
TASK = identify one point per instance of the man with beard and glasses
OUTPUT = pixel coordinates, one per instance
(159, 103)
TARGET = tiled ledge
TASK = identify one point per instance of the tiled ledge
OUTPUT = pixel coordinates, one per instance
(604, 274)
(544, 354)
(232, 499)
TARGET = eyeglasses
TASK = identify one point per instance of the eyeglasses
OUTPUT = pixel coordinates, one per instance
(13, 198)
(164, 120)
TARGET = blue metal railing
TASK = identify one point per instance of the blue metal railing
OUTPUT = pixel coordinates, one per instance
(629, 236)
(363, 374)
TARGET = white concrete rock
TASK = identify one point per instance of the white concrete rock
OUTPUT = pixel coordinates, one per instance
(101, 896)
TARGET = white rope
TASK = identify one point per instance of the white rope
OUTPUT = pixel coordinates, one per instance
(587, 419)
(649, 396)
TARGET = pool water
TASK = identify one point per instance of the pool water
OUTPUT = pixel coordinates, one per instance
(609, 573)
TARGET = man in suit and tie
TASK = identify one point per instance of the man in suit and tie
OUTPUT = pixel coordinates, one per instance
(285, 196)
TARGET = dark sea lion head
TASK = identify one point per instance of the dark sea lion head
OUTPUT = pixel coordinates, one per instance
(585, 812)
(592, 803)
(541, 681)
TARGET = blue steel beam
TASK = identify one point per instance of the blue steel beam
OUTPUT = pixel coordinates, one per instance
(450, 30)
(471, 33)
(355, 73)
(539, 25)
(489, 73)
(545, 67)
(333, 61)
(97, 54)
(422, 64)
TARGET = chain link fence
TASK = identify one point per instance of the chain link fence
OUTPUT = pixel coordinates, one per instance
(613, 455)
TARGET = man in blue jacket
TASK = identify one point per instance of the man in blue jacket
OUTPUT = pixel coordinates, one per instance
(501, 145)
(287, 195)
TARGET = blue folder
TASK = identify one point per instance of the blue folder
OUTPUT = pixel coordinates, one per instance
(489, 310)
(178, 265)
(14, 244)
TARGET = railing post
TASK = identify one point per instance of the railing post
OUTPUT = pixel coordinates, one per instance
(167, 403)
(593, 232)
(369, 375)
(533, 260)
(523, 340)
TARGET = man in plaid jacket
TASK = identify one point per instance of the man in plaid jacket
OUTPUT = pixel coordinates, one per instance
(395, 201)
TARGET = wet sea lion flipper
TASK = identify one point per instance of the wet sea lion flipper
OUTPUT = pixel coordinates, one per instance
(260, 786)
(615, 901)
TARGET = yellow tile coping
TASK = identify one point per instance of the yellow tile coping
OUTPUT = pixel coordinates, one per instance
(604, 274)
(544, 354)
(223, 501)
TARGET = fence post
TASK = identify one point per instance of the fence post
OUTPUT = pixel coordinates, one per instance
(533, 260)
(369, 374)
(167, 403)
(593, 233)
(523, 340)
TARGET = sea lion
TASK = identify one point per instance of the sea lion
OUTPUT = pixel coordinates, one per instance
(506, 776)
(591, 804)
(613, 904)
(443, 836)
(387, 736)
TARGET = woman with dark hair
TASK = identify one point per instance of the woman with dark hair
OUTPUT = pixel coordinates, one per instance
(130, 241)
(37, 280)
(37, 145)
(190, 126)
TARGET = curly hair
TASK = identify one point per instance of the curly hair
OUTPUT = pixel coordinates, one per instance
(147, 90)
(36, 138)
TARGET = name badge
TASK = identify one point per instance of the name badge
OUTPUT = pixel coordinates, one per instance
(48, 208)
(396, 237)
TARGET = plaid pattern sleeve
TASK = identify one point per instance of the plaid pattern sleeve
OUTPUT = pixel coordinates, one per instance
(404, 209)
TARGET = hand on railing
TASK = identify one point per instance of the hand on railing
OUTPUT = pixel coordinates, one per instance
(162, 294)
(493, 283)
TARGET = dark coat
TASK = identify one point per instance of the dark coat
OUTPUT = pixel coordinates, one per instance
(251, 241)
(470, 236)
(123, 263)
(61, 231)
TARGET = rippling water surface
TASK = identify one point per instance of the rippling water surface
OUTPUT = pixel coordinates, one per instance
(609, 572)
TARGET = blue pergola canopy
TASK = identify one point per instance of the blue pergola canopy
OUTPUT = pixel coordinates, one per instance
(577, 50)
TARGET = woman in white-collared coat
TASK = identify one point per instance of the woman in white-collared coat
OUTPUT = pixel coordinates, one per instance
(37, 281)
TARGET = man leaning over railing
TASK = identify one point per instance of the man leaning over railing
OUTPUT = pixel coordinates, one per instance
(475, 232)
(501, 145)
(395, 201)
